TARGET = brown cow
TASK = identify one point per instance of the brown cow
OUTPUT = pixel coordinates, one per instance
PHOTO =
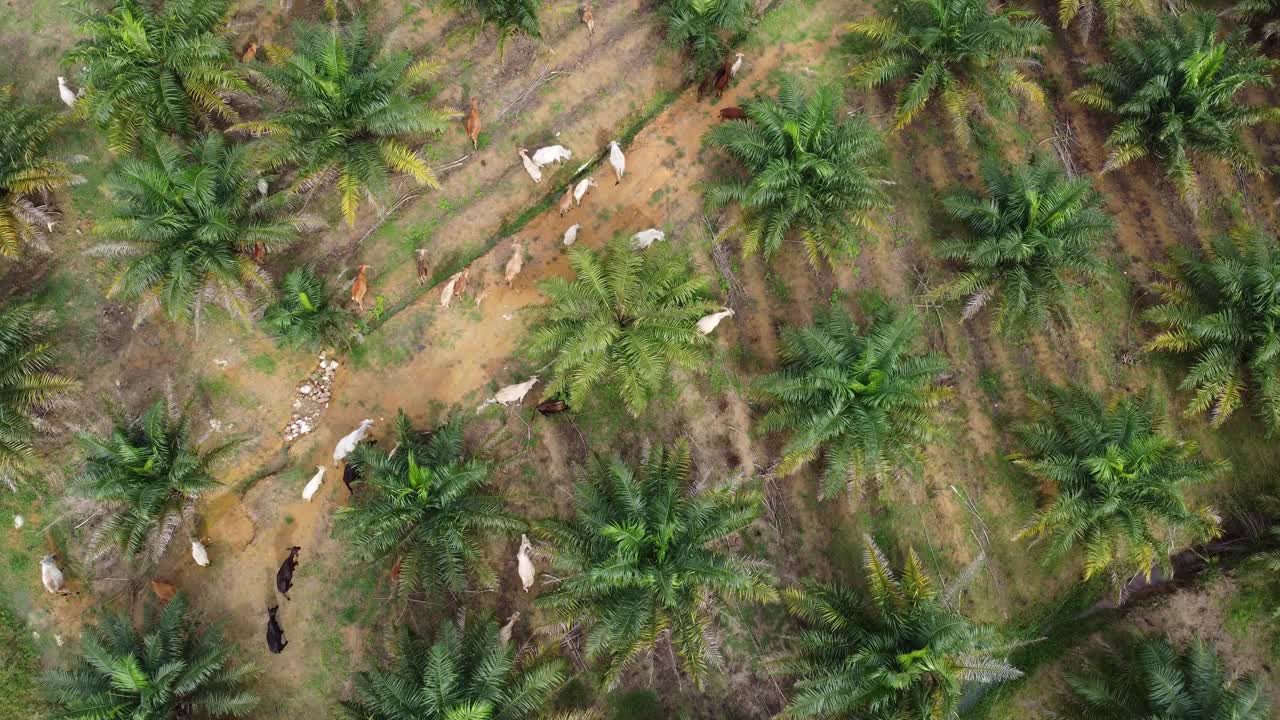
(732, 113)
(472, 124)
(360, 287)
(420, 256)
(566, 202)
(163, 589)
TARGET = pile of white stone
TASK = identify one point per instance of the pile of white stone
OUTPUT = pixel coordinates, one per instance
(313, 398)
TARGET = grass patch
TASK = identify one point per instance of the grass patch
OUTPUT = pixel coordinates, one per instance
(635, 705)
(1053, 629)
(264, 364)
(1251, 612)
(19, 696)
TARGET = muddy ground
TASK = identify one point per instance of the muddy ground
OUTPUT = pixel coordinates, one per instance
(430, 361)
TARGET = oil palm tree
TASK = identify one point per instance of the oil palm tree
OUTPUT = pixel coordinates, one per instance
(508, 18)
(1026, 239)
(1117, 14)
(425, 509)
(466, 671)
(647, 554)
(863, 400)
(807, 170)
(1220, 308)
(1150, 679)
(964, 52)
(168, 670)
(1173, 88)
(349, 112)
(1265, 14)
(28, 173)
(29, 385)
(1114, 480)
(303, 314)
(141, 481)
(625, 321)
(702, 28)
(899, 649)
(155, 67)
(187, 222)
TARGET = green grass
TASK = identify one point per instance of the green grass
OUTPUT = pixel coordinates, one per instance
(635, 705)
(1052, 630)
(19, 696)
(263, 363)
(1250, 614)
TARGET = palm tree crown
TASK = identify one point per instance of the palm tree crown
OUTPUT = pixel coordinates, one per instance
(1117, 14)
(864, 401)
(1254, 12)
(1114, 479)
(961, 51)
(1149, 679)
(188, 222)
(303, 314)
(27, 170)
(622, 324)
(425, 506)
(28, 385)
(645, 554)
(168, 671)
(1173, 88)
(350, 112)
(142, 480)
(1034, 229)
(701, 28)
(901, 650)
(1222, 307)
(163, 67)
(508, 17)
(807, 171)
(465, 672)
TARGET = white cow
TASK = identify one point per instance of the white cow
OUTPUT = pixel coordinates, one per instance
(314, 484)
(65, 93)
(50, 575)
(348, 444)
(709, 323)
(643, 239)
(551, 154)
(530, 166)
(581, 189)
(524, 565)
(510, 394)
(617, 160)
(199, 553)
(571, 235)
(504, 635)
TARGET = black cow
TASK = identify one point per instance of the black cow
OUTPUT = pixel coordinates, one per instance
(284, 576)
(350, 473)
(551, 407)
(275, 634)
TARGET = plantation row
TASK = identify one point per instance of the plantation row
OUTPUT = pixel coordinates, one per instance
(209, 180)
